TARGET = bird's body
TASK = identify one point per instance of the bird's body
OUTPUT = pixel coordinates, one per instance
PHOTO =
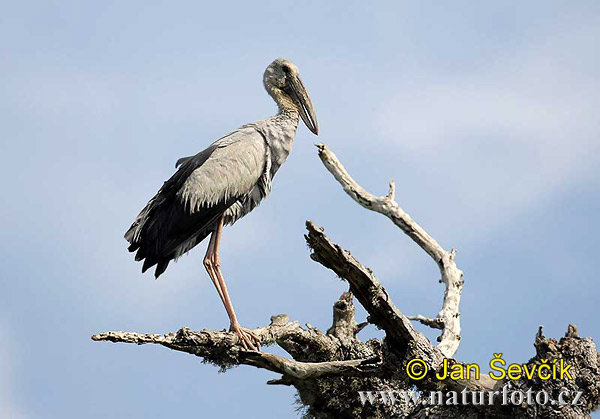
(229, 178)
(221, 184)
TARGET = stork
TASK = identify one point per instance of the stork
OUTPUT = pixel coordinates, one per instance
(221, 184)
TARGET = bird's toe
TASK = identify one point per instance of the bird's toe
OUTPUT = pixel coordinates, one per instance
(247, 338)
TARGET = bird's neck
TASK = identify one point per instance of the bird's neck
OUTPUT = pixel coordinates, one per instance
(280, 131)
(288, 115)
(285, 123)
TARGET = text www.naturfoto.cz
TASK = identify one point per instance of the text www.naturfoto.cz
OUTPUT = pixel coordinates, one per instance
(465, 397)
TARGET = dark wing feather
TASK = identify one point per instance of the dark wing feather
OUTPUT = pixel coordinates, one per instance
(165, 221)
(183, 160)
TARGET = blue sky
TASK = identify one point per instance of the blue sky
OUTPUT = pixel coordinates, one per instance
(485, 114)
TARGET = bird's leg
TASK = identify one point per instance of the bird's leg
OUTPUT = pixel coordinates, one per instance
(212, 262)
(209, 265)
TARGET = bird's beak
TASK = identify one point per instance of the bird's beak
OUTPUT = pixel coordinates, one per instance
(298, 93)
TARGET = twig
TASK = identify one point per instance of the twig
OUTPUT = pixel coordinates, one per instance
(428, 321)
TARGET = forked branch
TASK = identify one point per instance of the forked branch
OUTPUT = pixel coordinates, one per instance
(448, 319)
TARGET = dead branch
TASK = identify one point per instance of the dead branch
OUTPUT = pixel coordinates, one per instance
(371, 294)
(211, 345)
(222, 348)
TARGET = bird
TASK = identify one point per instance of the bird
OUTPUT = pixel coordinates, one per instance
(222, 184)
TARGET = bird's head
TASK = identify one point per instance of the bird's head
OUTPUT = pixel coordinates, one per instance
(282, 81)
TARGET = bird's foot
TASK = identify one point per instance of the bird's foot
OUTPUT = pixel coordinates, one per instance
(247, 338)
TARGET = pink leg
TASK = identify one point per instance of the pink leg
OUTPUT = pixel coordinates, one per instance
(209, 266)
(212, 263)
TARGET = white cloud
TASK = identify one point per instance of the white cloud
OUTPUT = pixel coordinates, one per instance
(501, 140)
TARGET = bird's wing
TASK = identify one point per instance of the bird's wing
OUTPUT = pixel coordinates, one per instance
(232, 170)
(185, 209)
(182, 160)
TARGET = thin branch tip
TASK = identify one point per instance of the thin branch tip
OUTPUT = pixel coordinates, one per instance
(391, 196)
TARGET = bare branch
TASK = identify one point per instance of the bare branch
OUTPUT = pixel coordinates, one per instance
(308, 370)
(316, 354)
(344, 325)
(371, 294)
(428, 321)
(211, 345)
(386, 205)
(363, 284)
(201, 344)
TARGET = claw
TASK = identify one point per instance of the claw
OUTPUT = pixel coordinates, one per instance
(247, 338)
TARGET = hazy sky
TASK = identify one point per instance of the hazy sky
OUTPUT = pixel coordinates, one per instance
(485, 114)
